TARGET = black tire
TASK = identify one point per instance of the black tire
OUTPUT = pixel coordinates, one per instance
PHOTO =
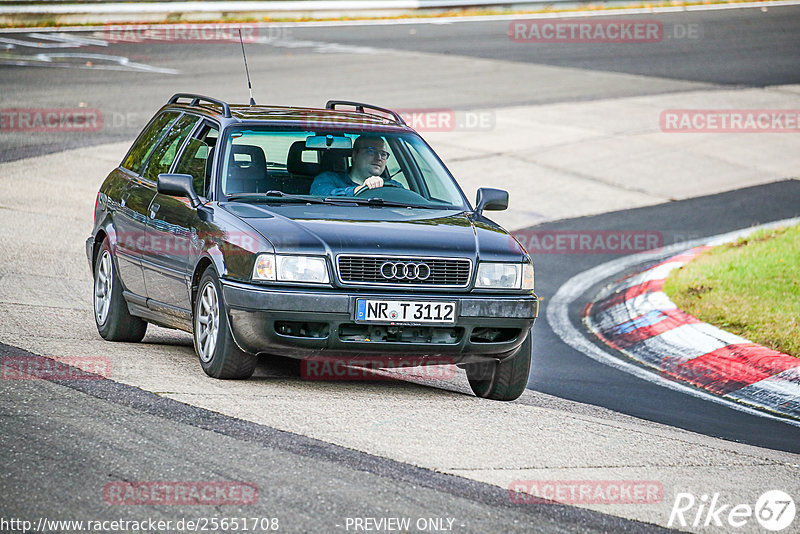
(214, 344)
(503, 380)
(114, 321)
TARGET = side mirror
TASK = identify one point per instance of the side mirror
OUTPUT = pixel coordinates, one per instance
(490, 199)
(178, 185)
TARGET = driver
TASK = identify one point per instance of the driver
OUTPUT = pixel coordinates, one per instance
(369, 162)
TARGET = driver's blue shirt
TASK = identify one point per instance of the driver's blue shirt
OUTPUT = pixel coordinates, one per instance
(337, 184)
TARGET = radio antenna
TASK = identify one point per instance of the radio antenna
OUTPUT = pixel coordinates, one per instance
(249, 86)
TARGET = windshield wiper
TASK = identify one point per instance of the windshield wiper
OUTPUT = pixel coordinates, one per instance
(374, 201)
(275, 196)
(272, 196)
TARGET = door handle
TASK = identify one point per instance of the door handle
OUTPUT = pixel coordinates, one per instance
(153, 210)
(124, 198)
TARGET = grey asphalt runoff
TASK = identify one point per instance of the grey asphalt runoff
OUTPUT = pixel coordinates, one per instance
(63, 441)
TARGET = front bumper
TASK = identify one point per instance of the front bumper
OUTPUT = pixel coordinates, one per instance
(298, 323)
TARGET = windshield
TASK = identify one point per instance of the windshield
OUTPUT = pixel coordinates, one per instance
(389, 169)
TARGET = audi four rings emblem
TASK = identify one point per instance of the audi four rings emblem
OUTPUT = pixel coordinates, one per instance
(402, 270)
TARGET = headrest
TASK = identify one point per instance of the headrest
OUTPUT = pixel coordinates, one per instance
(295, 163)
(257, 158)
(335, 159)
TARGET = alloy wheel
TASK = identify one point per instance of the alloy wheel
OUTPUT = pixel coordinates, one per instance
(102, 288)
(207, 326)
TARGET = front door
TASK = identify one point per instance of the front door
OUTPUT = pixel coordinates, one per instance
(130, 203)
(167, 234)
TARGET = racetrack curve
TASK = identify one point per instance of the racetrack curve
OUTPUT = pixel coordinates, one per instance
(571, 131)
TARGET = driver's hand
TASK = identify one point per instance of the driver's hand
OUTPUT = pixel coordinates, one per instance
(372, 182)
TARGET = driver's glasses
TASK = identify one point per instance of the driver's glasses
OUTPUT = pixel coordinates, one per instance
(372, 151)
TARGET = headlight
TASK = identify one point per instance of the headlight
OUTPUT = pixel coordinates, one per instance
(504, 276)
(291, 269)
(302, 269)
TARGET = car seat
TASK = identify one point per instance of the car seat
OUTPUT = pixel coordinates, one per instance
(247, 171)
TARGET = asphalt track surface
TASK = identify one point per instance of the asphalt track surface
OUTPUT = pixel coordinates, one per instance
(736, 48)
(102, 431)
(55, 432)
(749, 47)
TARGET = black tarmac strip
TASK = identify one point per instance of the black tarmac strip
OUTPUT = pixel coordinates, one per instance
(753, 47)
(566, 373)
(63, 441)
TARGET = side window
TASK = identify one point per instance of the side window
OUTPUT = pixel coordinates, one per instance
(165, 152)
(309, 156)
(195, 159)
(146, 142)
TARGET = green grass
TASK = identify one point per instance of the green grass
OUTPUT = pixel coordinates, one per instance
(750, 287)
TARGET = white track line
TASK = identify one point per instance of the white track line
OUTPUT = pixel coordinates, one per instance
(558, 315)
(119, 62)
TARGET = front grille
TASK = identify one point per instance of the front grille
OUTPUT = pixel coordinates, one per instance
(444, 272)
(367, 333)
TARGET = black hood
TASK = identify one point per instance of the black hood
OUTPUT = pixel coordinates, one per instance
(332, 230)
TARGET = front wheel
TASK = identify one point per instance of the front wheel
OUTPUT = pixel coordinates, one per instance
(213, 342)
(503, 380)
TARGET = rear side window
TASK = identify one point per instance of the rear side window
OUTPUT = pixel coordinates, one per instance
(165, 152)
(147, 140)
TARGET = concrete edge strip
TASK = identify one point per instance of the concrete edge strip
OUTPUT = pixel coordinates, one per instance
(100, 387)
(334, 5)
(726, 369)
(238, 7)
(557, 313)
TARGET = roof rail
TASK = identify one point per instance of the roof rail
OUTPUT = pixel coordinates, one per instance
(196, 99)
(360, 107)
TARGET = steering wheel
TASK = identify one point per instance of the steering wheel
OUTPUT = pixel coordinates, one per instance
(386, 183)
(394, 192)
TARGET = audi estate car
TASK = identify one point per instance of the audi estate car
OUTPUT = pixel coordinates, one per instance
(331, 234)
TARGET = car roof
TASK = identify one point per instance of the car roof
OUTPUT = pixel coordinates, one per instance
(365, 116)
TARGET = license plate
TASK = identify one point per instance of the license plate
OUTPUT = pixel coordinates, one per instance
(405, 311)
